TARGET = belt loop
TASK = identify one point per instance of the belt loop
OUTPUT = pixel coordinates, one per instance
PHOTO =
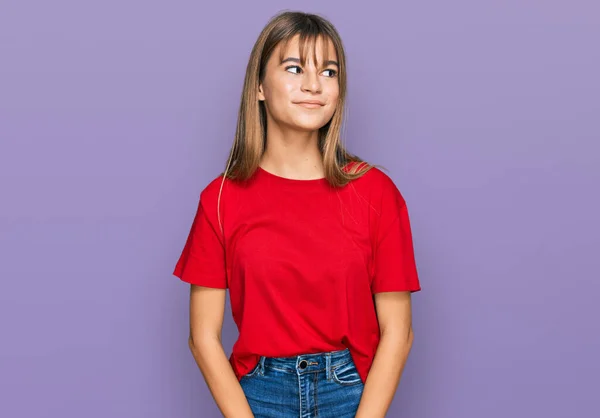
(328, 366)
(262, 365)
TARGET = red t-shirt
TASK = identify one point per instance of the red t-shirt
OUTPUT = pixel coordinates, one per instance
(302, 261)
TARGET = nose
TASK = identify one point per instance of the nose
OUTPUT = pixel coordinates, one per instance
(311, 82)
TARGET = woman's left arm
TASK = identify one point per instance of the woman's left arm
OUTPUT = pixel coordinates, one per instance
(395, 324)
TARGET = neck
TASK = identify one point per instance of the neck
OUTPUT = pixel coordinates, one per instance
(293, 154)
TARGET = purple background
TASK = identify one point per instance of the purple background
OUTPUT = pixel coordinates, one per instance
(114, 115)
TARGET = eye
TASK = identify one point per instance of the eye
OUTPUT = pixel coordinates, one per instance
(293, 66)
(333, 72)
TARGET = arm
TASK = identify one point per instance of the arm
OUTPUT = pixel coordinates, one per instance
(207, 306)
(396, 338)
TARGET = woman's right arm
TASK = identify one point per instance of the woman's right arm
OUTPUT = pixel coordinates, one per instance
(207, 308)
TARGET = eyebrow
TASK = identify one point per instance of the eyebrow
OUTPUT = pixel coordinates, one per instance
(294, 59)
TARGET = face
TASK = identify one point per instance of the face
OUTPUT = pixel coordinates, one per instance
(288, 86)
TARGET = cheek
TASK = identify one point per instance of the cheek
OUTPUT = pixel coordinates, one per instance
(279, 98)
(281, 90)
(288, 91)
(334, 93)
(333, 101)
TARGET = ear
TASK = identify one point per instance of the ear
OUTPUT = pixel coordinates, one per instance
(261, 94)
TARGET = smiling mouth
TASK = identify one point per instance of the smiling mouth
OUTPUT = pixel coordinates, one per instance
(309, 105)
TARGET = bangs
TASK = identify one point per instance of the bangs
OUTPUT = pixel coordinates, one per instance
(307, 42)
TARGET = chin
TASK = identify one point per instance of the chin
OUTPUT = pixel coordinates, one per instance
(308, 128)
(309, 125)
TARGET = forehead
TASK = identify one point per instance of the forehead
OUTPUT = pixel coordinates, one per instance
(320, 48)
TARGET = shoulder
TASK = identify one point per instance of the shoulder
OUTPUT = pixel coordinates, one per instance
(380, 187)
(211, 198)
(211, 191)
(222, 193)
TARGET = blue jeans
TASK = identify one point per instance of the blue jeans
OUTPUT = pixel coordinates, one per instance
(320, 385)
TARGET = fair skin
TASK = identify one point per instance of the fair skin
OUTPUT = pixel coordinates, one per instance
(396, 339)
(292, 152)
(292, 129)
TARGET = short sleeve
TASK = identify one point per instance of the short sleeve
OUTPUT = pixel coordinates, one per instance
(202, 261)
(395, 267)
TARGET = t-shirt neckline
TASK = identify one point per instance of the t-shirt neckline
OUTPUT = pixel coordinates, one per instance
(288, 182)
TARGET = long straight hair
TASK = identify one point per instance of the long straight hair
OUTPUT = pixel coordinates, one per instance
(250, 135)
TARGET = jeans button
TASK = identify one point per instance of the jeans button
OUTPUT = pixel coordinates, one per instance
(303, 364)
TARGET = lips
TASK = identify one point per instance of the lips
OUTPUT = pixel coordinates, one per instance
(310, 104)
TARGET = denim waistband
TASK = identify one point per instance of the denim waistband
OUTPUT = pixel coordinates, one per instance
(308, 363)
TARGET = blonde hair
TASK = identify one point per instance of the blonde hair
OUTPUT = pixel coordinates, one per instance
(250, 136)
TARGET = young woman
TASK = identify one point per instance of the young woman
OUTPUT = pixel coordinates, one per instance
(313, 244)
